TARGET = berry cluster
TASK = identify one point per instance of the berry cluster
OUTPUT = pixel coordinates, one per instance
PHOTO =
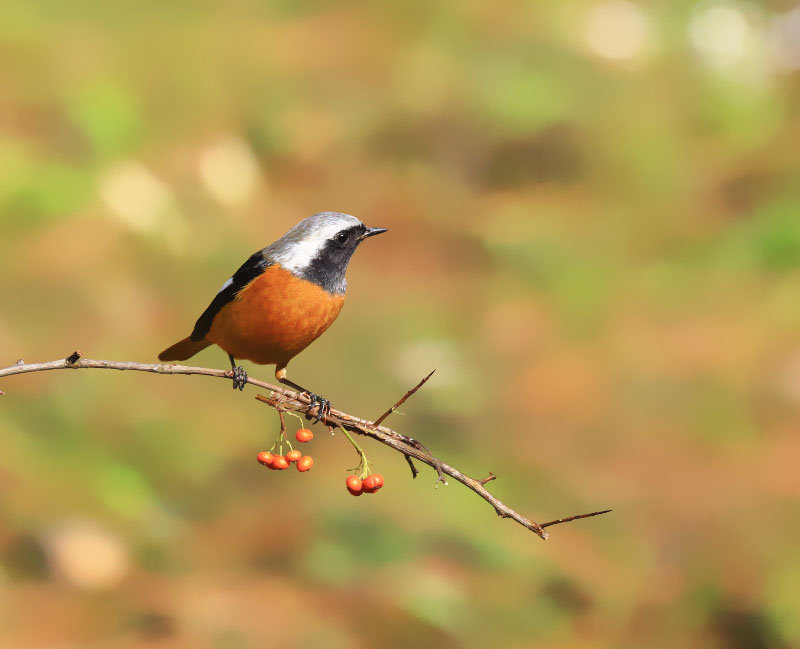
(280, 462)
(369, 485)
(364, 482)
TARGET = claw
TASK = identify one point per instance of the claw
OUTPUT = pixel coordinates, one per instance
(239, 378)
(323, 407)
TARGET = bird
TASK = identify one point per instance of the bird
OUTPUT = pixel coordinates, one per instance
(280, 300)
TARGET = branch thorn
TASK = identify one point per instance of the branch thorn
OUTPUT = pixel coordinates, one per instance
(488, 478)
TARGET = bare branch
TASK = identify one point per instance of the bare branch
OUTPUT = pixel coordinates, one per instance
(287, 400)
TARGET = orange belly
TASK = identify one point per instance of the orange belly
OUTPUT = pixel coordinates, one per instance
(274, 318)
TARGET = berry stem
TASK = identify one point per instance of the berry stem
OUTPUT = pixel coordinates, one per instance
(282, 436)
(296, 416)
(363, 463)
(282, 417)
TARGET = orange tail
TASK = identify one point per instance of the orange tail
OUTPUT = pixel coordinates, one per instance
(183, 349)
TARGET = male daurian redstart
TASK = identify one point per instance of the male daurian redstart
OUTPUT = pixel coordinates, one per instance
(281, 299)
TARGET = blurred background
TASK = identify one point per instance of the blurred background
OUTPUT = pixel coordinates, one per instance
(594, 237)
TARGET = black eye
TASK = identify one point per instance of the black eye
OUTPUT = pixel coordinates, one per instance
(341, 238)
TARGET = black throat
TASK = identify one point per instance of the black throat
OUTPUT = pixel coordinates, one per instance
(328, 268)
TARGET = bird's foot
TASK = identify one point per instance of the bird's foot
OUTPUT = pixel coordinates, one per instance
(322, 405)
(239, 377)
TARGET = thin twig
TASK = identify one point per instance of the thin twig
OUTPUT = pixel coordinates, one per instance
(488, 478)
(412, 466)
(574, 518)
(437, 464)
(299, 403)
(380, 419)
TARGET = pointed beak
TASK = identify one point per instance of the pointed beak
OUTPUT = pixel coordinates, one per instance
(371, 232)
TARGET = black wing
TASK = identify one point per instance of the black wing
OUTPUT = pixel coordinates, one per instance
(247, 272)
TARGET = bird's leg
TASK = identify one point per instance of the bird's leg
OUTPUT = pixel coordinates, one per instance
(322, 404)
(238, 374)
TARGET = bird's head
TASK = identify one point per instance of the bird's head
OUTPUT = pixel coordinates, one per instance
(319, 248)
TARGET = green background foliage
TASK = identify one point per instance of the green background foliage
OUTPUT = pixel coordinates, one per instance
(594, 237)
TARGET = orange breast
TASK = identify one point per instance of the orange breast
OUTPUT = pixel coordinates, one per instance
(274, 317)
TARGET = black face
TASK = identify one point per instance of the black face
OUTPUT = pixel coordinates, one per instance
(328, 268)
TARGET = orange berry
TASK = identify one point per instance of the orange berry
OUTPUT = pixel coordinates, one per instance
(354, 485)
(280, 462)
(304, 435)
(293, 456)
(305, 463)
(265, 458)
(372, 483)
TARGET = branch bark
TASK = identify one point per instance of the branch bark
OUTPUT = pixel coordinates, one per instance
(286, 400)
